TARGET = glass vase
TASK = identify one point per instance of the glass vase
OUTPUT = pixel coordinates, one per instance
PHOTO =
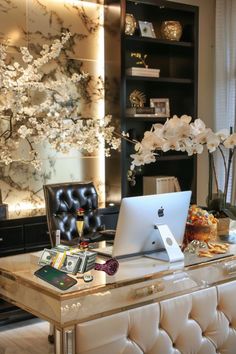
(216, 202)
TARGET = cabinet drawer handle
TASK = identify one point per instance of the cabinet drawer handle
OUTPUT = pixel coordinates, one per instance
(230, 268)
(149, 290)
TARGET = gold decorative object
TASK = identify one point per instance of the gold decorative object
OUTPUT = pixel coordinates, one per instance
(141, 59)
(130, 24)
(171, 30)
(200, 232)
(201, 225)
(137, 98)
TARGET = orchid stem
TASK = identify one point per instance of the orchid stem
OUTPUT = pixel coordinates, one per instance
(231, 154)
(226, 171)
(214, 173)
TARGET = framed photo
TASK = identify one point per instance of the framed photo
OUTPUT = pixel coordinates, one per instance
(146, 29)
(162, 106)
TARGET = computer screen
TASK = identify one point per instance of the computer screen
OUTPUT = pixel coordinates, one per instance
(135, 233)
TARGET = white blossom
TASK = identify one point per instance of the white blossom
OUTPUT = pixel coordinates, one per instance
(39, 107)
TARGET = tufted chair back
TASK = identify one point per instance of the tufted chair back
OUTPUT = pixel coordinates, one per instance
(62, 200)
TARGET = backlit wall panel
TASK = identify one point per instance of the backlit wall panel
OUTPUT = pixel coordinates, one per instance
(32, 23)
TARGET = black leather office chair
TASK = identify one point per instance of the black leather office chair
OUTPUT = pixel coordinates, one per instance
(62, 200)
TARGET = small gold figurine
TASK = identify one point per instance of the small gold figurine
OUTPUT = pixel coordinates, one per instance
(141, 59)
(137, 98)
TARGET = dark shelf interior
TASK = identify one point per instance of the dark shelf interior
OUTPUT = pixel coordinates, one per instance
(170, 80)
(177, 82)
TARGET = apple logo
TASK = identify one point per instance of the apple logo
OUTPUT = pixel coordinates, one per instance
(160, 212)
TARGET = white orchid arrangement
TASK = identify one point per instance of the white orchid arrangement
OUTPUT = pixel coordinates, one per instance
(37, 107)
(180, 134)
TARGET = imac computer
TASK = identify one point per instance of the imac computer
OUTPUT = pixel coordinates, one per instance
(150, 225)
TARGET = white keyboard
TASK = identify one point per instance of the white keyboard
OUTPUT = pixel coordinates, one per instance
(104, 251)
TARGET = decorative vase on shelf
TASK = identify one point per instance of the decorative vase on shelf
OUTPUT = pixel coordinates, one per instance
(171, 30)
(130, 24)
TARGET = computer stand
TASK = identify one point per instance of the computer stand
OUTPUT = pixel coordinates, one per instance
(172, 251)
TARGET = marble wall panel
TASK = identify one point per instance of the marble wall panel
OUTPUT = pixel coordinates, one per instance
(13, 23)
(32, 23)
(47, 19)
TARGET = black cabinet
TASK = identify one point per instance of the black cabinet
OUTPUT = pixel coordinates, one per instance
(23, 235)
(11, 240)
(36, 236)
(177, 61)
(20, 236)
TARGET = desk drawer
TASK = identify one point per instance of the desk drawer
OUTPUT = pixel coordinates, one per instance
(11, 239)
(118, 299)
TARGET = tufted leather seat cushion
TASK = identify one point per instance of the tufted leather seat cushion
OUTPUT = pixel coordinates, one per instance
(203, 322)
(62, 200)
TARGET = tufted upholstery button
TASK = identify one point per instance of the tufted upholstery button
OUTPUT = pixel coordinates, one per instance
(153, 329)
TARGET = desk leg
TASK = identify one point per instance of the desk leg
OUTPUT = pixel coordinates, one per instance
(51, 333)
(64, 341)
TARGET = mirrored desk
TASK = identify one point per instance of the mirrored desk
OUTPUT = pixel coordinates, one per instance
(138, 284)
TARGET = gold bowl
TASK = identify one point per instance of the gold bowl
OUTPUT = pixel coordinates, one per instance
(171, 30)
(200, 232)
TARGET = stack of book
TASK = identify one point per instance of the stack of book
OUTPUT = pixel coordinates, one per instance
(135, 71)
(141, 112)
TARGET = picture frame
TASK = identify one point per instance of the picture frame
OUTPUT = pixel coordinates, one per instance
(146, 29)
(162, 107)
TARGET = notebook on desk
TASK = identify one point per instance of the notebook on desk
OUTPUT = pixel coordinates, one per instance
(135, 233)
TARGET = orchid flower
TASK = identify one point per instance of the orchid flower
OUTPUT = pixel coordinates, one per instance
(180, 134)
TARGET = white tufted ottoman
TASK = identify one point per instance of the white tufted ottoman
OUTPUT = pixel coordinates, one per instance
(202, 322)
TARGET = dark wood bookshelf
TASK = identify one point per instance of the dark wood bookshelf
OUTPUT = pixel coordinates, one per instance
(178, 81)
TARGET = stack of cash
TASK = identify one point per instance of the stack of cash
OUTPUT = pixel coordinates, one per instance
(69, 260)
